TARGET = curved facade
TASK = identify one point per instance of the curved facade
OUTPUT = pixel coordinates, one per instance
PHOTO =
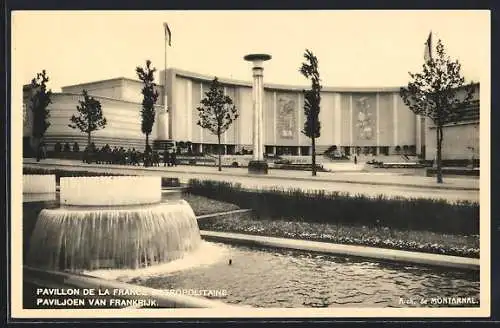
(363, 117)
(374, 119)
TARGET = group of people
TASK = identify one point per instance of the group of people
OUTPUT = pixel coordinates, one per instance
(169, 157)
(108, 155)
(118, 155)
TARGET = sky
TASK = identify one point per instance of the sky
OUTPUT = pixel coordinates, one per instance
(354, 48)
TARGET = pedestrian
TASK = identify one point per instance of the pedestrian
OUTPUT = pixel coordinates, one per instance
(174, 159)
(166, 157)
(355, 160)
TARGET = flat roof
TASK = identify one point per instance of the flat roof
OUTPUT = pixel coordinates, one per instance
(284, 87)
(104, 81)
(224, 80)
(235, 82)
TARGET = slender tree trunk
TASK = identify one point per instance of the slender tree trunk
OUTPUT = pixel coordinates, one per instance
(146, 153)
(38, 142)
(313, 156)
(220, 165)
(89, 153)
(439, 141)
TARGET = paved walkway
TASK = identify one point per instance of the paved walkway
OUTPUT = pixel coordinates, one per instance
(367, 183)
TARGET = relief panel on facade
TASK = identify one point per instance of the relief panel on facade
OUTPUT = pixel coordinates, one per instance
(286, 116)
(365, 116)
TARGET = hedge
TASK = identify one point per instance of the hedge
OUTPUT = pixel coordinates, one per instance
(341, 208)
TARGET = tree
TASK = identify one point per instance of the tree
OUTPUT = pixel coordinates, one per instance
(217, 112)
(435, 93)
(40, 100)
(150, 96)
(312, 100)
(89, 118)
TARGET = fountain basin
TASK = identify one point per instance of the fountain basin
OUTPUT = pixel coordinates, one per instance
(39, 183)
(78, 237)
(110, 191)
(112, 222)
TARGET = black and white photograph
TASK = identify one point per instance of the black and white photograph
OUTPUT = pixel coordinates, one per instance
(250, 163)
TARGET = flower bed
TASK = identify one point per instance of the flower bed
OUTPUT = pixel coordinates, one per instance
(419, 241)
(384, 237)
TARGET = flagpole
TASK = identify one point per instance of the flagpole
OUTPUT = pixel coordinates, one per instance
(165, 96)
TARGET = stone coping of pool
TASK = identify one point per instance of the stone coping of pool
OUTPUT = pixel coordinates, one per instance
(68, 280)
(110, 190)
(347, 250)
(218, 214)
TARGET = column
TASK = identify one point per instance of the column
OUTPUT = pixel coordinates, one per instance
(418, 129)
(351, 131)
(189, 100)
(274, 121)
(395, 118)
(201, 129)
(224, 136)
(260, 99)
(255, 132)
(258, 165)
(258, 129)
(300, 122)
(338, 121)
(378, 123)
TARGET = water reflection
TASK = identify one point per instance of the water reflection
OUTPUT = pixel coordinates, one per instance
(274, 278)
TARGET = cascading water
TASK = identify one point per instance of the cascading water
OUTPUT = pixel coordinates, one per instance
(112, 222)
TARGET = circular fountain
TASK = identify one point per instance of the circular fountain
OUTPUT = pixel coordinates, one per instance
(112, 222)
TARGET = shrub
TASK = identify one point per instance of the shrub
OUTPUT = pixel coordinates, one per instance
(341, 208)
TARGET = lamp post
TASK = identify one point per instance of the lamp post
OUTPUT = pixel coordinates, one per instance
(258, 164)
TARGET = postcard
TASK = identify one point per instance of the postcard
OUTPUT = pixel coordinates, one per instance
(250, 164)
